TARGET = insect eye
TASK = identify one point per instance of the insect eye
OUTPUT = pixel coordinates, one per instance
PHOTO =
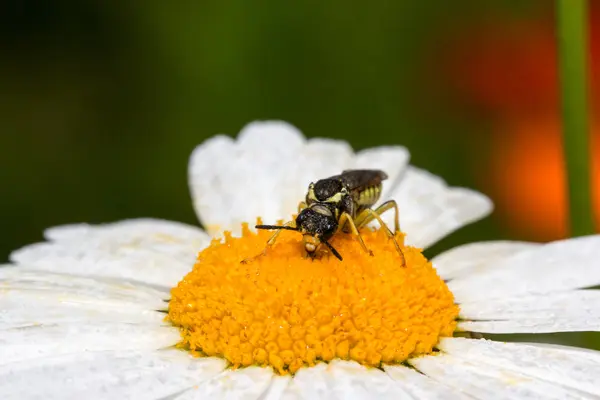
(329, 227)
(304, 217)
(300, 219)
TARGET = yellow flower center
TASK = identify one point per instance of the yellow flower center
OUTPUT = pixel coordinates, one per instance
(287, 311)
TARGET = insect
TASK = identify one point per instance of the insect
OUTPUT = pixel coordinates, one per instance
(339, 203)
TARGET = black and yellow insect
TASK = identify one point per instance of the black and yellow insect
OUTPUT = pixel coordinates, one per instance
(339, 203)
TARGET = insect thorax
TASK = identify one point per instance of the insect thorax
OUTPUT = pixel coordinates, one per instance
(330, 191)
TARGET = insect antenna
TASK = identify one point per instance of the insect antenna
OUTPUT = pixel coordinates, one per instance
(271, 227)
(333, 250)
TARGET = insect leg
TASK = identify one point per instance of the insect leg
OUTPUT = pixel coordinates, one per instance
(369, 215)
(270, 242)
(273, 238)
(347, 219)
(364, 218)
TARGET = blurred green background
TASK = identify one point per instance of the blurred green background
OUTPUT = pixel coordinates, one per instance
(102, 103)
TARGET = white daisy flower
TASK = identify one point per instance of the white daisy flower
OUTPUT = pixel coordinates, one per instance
(131, 310)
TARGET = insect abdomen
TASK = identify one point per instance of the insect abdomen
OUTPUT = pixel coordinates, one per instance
(369, 196)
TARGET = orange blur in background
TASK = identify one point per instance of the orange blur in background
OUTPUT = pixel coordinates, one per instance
(508, 71)
(526, 176)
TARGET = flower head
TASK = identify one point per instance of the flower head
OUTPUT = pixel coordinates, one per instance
(157, 309)
(291, 312)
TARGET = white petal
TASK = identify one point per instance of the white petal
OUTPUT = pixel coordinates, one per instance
(311, 384)
(463, 260)
(244, 383)
(487, 382)
(175, 239)
(107, 375)
(344, 380)
(353, 381)
(566, 368)
(430, 210)
(265, 173)
(152, 251)
(557, 266)
(98, 258)
(98, 288)
(578, 351)
(320, 158)
(393, 160)
(207, 185)
(421, 386)
(531, 325)
(35, 341)
(277, 389)
(560, 312)
(31, 307)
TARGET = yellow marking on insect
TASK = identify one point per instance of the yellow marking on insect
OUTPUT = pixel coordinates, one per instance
(369, 195)
(336, 198)
(311, 193)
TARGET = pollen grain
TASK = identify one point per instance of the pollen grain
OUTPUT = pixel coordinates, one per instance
(287, 311)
